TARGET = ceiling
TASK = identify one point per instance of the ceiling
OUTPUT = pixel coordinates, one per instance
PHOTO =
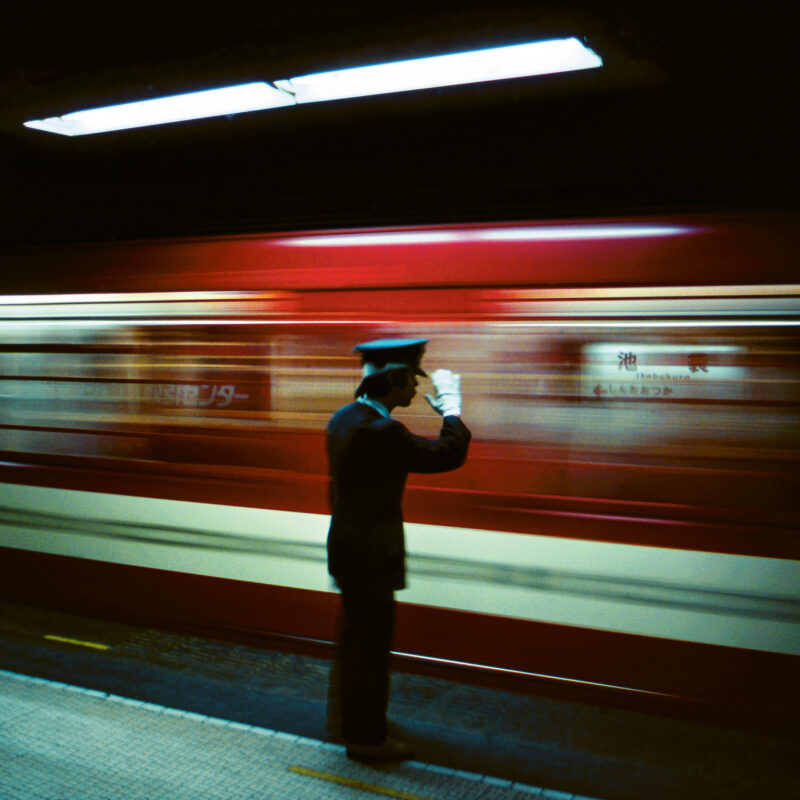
(692, 110)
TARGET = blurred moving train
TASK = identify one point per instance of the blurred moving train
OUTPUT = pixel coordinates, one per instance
(627, 518)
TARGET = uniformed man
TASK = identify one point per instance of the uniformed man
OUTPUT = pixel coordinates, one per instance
(371, 455)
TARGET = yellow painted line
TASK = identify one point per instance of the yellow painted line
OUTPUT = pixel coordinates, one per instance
(93, 645)
(354, 784)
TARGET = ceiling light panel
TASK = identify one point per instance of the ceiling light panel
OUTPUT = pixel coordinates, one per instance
(475, 66)
(159, 111)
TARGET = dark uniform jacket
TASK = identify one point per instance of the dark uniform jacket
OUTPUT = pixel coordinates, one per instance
(370, 458)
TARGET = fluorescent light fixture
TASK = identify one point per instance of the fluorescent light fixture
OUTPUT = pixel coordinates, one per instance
(475, 66)
(541, 233)
(161, 110)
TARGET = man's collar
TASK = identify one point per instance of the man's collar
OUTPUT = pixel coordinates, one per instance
(379, 407)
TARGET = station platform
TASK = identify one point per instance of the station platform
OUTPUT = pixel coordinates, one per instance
(97, 709)
(64, 741)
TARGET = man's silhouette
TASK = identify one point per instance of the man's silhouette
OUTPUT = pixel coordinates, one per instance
(370, 456)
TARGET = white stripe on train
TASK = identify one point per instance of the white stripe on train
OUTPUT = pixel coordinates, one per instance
(719, 599)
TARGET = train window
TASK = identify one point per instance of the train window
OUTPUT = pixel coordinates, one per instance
(557, 380)
(204, 373)
(314, 372)
(638, 392)
(63, 389)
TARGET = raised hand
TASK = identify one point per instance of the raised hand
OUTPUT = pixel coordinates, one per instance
(448, 393)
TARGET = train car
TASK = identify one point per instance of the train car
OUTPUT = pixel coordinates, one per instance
(626, 520)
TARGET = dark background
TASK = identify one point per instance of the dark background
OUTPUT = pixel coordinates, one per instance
(694, 111)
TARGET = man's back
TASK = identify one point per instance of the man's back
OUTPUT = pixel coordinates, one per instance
(370, 458)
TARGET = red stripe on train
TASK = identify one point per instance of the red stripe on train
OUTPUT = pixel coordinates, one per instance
(711, 249)
(745, 680)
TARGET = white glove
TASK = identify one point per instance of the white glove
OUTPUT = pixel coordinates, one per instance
(448, 393)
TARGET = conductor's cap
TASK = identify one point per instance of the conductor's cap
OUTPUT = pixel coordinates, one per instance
(384, 355)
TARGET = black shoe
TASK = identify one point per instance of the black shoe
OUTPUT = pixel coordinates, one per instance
(389, 750)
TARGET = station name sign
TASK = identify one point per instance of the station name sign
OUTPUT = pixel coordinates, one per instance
(646, 371)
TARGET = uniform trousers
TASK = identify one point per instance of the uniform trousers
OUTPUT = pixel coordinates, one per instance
(359, 688)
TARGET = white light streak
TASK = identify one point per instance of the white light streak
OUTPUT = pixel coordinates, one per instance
(646, 292)
(533, 233)
(132, 297)
(115, 323)
(374, 239)
(475, 66)
(741, 323)
(522, 673)
(582, 293)
(161, 110)
(577, 232)
(110, 323)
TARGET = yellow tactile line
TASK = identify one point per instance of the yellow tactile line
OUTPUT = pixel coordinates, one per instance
(367, 787)
(65, 640)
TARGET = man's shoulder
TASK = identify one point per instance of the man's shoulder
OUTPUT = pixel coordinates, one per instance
(363, 416)
(345, 411)
(355, 413)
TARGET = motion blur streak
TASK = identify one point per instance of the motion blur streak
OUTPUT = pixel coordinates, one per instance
(632, 485)
(542, 233)
(130, 297)
(576, 232)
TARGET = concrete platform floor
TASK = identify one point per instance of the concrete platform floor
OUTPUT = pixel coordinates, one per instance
(61, 741)
(569, 747)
